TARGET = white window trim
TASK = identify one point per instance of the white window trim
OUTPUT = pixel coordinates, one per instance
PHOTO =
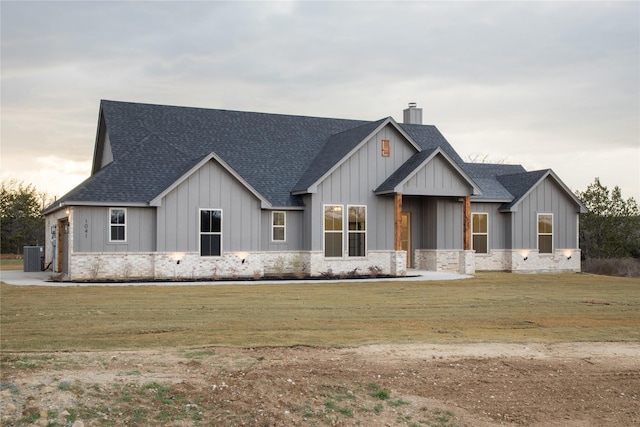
(324, 231)
(481, 234)
(552, 234)
(126, 219)
(283, 226)
(200, 233)
(366, 225)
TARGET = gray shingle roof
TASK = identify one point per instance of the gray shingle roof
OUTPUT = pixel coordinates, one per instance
(155, 145)
(429, 138)
(519, 184)
(486, 176)
(336, 147)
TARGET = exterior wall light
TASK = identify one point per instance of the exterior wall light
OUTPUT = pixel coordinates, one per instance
(242, 256)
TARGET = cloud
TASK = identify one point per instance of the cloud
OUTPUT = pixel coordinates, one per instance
(52, 174)
(521, 78)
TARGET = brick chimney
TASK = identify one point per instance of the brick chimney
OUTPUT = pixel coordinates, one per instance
(413, 115)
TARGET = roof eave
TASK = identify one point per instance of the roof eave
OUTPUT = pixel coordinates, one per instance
(481, 200)
(98, 152)
(111, 203)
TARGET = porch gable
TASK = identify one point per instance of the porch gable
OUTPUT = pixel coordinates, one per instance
(429, 173)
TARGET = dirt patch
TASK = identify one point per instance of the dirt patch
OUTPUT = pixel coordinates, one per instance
(572, 384)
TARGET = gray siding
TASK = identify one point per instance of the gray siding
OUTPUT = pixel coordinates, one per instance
(450, 222)
(547, 197)
(437, 178)
(353, 183)
(436, 223)
(211, 187)
(499, 224)
(91, 230)
(293, 232)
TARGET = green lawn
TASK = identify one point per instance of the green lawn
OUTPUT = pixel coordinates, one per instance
(499, 307)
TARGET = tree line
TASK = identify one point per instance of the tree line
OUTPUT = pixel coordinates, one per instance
(21, 219)
(611, 228)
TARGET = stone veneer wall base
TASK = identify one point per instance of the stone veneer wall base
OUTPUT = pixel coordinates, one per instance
(118, 266)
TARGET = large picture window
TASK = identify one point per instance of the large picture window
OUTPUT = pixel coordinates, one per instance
(357, 232)
(545, 233)
(479, 232)
(210, 232)
(117, 225)
(278, 224)
(333, 230)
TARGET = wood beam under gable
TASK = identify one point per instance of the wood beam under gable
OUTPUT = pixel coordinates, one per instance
(398, 222)
(467, 223)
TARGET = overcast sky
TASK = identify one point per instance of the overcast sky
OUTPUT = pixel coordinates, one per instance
(543, 84)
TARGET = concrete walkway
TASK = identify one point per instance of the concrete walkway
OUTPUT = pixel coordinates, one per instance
(21, 278)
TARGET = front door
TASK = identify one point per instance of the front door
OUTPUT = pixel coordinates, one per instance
(405, 235)
(63, 245)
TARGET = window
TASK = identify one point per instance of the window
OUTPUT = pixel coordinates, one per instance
(117, 225)
(357, 232)
(479, 232)
(210, 232)
(278, 226)
(545, 233)
(333, 225)
(386, 148)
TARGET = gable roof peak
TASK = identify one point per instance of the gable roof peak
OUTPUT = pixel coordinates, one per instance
(522, 184)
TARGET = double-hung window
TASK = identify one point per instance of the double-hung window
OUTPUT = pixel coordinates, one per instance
(357, 232)
(278, 225)
(545, 233)
(117, 225)
(333, 230)
(479, 232)
(210, 232)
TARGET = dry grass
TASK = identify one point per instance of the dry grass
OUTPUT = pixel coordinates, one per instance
(491, 307)
(11, 264)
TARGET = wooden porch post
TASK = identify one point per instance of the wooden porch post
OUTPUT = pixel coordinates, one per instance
(467, 223)
(398, 222)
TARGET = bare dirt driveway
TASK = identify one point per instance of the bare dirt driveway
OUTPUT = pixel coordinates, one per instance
(569, 384)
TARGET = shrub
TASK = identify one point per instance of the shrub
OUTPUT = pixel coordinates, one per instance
(622, 267)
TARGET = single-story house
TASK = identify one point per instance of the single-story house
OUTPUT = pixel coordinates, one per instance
(193, 193)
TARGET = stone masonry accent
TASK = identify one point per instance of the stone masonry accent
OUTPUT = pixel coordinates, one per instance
(114, 266)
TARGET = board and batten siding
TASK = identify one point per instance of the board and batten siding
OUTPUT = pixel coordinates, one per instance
(499, 224)
(293, 231)
(449, 217)
(353, 182)
(547, 197)
(210, 187)
(91, 230)
(436, 178)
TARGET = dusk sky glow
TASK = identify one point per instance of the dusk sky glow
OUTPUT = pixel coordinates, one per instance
(543, 84)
